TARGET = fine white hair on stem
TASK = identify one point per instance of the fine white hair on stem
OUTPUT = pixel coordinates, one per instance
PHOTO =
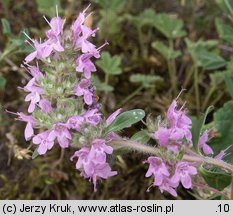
(29, 43)
(57, 10)
(181, 91)
(46, 20)
(86, 8)
(28, 36)
(105, 43)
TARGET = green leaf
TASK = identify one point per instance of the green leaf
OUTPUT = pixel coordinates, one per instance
(35, 153)
(209, 60)
(223, 119)
(101, 86)
(225, 31)
(110, 24)
(6, 29)
(207, 44)
(110, 64)
(167, 52)
(197, 126)
(226, 6)
(141, 137)
(114, 5)
(146, 17)
(216, 179)
(193, 47)
(169, 25)
(229, 84)
(48, 7)
(2, 83)
(145, 80)
(219, 76)
(126, 119)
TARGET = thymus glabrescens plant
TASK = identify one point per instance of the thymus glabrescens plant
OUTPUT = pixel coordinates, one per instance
(64, 110)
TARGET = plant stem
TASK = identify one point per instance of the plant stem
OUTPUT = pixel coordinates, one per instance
(106, 78)
(57, 162)
(131, 96)
(206, 101)
(196, 88)
(154, 151)
(188, 76)
(172, 69)
(203, 187)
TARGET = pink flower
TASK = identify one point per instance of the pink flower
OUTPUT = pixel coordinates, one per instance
(84, 64)
(75, 123)
(81, 33)
(92, 161)
(61, 132)
(158, 169)
(171, 138)
(35, 72)
(83, 89)
(44, 141)
(34, 95)
(177, 129)
(82, 155)
(203, 145)
(92, 117)
(82, 41)
(99, 150)
(76, 27)
(162, 135)
(112, 117)
(42, 51)
(103, 171)
(222, 153)
(45, 106)
(31, 122)
(183, 172)
(56, 25)
(168, 185)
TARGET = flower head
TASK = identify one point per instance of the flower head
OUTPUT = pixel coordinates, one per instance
(203, 144)
(61, 132)
(83, 89)
(31, 122)
(176, 131)
(183, 173)
(44, 141)
(158, 169)
(92, 161)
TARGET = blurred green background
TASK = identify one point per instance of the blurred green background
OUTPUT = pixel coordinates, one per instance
(156, 48)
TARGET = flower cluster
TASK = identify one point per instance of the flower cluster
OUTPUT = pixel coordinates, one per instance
(92, 161)
(176, 130)
(162, 178)
(61, 97)
(173, 136)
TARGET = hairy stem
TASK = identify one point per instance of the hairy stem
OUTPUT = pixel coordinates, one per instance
(190, 158)
(204, 186)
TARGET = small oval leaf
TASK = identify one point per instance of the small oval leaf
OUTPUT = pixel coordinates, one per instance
(35, 153)
(141, 137)
(126, 119)
(216, 179)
